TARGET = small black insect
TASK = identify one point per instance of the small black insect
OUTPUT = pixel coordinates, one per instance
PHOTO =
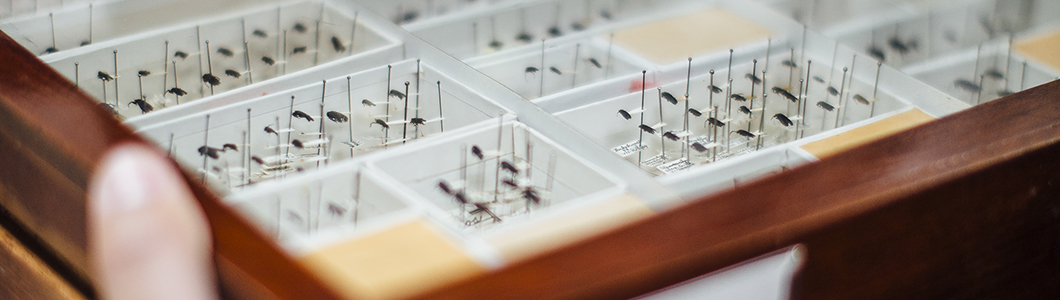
(554, 70)
(595, 63)
(380, 122)
(209, 152)
(877, 53)
(224, 51)
(337, 44)
(257, 160)
(268, 129)
(477, 152)
(994, 74)
(268, 60)
(753, 78)
(398, 94)
(180, 54)
(297, 144)
(302, 115)
(367, 102)
(605, 14)
(260, 33)
(496, 45)
(786, 94)
(233, 73)
(669, 98)
(714, 89)
(554, 31)
(861, 99)
(784, 120)
(788, 63)
(699, 147)
(625, 114)
(444, 186)
(825, 106)
(744, 109)
(832, 91)
(85, 43)
(177, 91)
(229, 146)
(715, 122)
(143, 73)
(299, 27)
(695, 112)
(818, 79)
(898, 45)
(51, 50)
(531, 70)
(531, 195)
(738, 97)
(510, 183)
(336, 210)
(1004, 93)
(966, 85)
(297, 50)
(577, 26)
(671, 135)
(509, 167)
(144, 106)
(409, 16)
(460, 197)
(745, 133)
(524, 36)
(647, 129)
(211, 79)
(418, 121)
(104, 76)
(337, 117)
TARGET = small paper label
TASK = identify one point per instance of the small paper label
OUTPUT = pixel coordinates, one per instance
(675, 166)
(654, 160)
(629, 148)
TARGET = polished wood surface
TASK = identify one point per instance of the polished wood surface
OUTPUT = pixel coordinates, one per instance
(964, 207)
(52, 135)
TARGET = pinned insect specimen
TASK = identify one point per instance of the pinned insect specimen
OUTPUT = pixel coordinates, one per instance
(337, 117)
(367, 102)
(396, 93)
(297, 144)
(297, 50)
(744, 109)
(477, 152)
(299, 27)
(753, 78)
(738, 97)
(233, 73)
(380, 122)
(229, 146)
(788, 63)
(143, 73)
(832, 91)
(714, 89)
(257, 160)
(966, 85)
(671, 135)
(784, 120)
(861, 99)
(104, 76)
(695, 112)
(444, 186)
(336, 43)
(625, 114)
(268, 60)
(181, 54)
(554, 70)
(177, 91)
(209, 152)
(525, 37)
(669, 98)
(211, 79)
(595, 63)
(647, 129)
(699, 147)
(994, 74)
(418, 121)
(715, 122)
(224, 51)
(825, 106)
(144, 106)
(302, 115)
(268, 129)
(260, 33)
(786, 94)
(509, 167)
(745, 133)
(818, 79)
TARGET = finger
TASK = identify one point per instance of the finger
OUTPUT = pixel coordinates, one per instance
(148, 238)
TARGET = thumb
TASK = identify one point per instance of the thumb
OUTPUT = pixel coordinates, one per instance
(148, 238)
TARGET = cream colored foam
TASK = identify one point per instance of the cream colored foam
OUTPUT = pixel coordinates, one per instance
(870, 132)
(676, 39)
(1044, 48)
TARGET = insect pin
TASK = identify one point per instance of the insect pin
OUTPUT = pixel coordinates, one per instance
(418, 121)
(825, 106)
(477, 152)
(625, 114)
(647, 129)
(302, 115)
(224, 51)
(336, 43)
(233, 73)
(380, 122)
(699, 147)
(784, 120)
(595, 63)
(211, 79)
(337, 117)
(745, 133)
(143, 105)
(669, 98)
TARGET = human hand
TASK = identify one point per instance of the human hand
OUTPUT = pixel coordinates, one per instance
(148, 237)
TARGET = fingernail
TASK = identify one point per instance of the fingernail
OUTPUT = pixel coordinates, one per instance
(130, 177)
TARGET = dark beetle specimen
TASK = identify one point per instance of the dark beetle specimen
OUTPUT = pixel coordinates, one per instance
(444, 186)
(268, 60)
(715, 122)
(104, 76)
(577, 26)
(753, 78)
(297, 50)
(51, 50)
(877, 53)
(605, 14)
(257, 160)
(302, 115)
(495, 44)
(531, 195)
(144, 106)
(229, 146)
(595, 63)
(861, 99)
(625, 114)
(181, 54)
(510, 183)
(209, 151)
(786, 94)
(1004, 93)
(211, 79)
(143, 73)
(477, 152)
(818, 79)
(825, 106)
(297, 144)
(233, 73)
(788, 63)
(380, 122)
(898, 45)
(554, 31)
(714, 89)
(509, 167)
(531, 70)
(260, 33)
(525, 37)
(337, 44)
(669, 98)
(398, 94)
(994, 73)
(177, 91)
(738, 97)
(409, 16)
(671, 135)
(367, 102)
(744, 109)
(224, 51)
(554, 70)
(337, 117)
(418, 121)
(695, 112)
(966, 85)
(784, 120)
(299, 27)
(699, 147)
(745, 133)
(647, 129)
(460, 197)
(832, 91)
(268, 129)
